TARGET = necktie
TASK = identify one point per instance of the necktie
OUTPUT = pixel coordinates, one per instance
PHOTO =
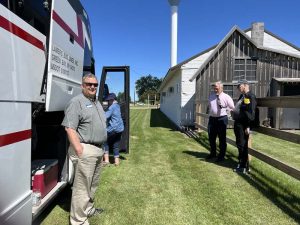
(219, 102)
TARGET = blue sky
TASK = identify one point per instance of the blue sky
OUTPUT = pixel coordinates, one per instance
(137, 32)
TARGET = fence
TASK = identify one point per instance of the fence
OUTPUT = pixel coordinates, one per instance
(273, 102)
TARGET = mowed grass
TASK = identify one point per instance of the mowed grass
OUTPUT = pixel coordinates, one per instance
(165, 180)
(282, 150)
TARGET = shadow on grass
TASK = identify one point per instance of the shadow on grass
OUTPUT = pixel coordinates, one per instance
(268, 186)
(158, 119)
(63, 200)
(202, 139)
(278, 194)
(229, 162)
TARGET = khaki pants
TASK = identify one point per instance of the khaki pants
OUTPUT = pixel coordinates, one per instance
(86, 180)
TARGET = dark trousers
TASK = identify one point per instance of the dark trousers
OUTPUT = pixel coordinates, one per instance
(241, 143)
(217, 128)
(113, 143)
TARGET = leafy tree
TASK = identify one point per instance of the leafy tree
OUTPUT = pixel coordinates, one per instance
(121, 97)
(153, 95)
(147, 83)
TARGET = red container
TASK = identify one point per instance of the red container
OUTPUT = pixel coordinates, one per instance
(44, 174)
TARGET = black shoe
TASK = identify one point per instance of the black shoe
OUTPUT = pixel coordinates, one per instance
(247, 167)
(211, 156)
(220, 159)
(240, 170)
(96, 212)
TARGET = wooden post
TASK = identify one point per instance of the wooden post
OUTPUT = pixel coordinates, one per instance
(197, 116)
(134, 97)
(148, 101)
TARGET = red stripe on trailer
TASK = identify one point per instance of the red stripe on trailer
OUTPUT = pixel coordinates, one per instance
(78, 38)
(12, 138)
(14, 29)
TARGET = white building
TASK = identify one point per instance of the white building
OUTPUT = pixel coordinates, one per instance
(177, 92)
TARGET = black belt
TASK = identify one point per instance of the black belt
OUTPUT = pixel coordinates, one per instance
(97, 145)
(218, 117)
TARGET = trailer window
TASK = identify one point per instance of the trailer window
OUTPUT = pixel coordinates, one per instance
(35, 13)
(4, 2)
(88, 62)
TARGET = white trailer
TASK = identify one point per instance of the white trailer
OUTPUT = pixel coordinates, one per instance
(45, 47)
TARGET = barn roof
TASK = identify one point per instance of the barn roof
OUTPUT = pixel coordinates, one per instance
(287, 80)
(175, 68)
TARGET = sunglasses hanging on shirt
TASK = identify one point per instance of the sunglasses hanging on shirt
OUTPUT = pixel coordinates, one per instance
(219, 102)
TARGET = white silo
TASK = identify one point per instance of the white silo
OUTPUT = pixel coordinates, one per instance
(174, 14)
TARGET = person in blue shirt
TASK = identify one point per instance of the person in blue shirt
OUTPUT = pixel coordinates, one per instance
(115, 127)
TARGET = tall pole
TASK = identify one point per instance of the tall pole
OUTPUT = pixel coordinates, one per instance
(174, 15)
(134, 96)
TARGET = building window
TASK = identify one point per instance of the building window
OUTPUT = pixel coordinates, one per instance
(228, 89)
(245, 69)
(163, 94)
(171, 89)
(178, 88)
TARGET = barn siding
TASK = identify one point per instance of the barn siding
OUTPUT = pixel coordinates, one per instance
(269, 65)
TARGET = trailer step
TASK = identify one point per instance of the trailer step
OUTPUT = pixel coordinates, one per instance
(37, 210)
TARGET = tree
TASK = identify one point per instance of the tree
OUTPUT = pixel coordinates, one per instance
(151, 95)
(121, 97)
(146, 84)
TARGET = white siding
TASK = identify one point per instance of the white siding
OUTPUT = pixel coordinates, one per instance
(189, 88)
(187, 97)
(170, 104)
(179, 107)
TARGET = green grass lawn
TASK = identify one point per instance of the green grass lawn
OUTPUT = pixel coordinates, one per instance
(282, 150)
(165, 180)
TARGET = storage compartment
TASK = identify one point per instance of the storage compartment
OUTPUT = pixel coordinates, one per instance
(49, 140)
(44, 174)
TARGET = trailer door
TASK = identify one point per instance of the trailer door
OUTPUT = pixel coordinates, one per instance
(69, 34)
(116, 79)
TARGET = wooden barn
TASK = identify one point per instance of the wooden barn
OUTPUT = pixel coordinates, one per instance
(269, 63)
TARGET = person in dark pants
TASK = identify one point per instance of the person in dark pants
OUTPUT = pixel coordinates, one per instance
(244, 117)
(115, 128)
(218, 103)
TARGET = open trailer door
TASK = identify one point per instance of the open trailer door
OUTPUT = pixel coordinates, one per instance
(115, 79)
(70, 53)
